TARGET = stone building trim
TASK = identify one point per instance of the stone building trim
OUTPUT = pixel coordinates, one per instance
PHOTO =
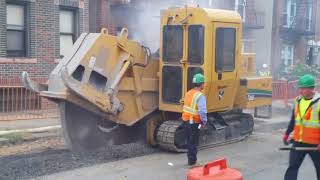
(18, 60)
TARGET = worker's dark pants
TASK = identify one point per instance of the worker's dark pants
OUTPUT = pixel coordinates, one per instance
(296, 158)
(192, 133)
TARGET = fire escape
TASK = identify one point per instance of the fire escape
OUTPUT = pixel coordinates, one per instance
(297, 20)
(252, 19)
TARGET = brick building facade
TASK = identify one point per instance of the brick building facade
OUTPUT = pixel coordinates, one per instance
(295, 31)
(31, 36)
(38, 23)
(42, 32)
(35, 34)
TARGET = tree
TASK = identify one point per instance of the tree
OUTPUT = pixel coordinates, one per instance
(298, 70)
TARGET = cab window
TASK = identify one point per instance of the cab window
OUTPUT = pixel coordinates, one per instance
(225, 49)
(172, 43)
(195, 44)
(172, 84)
(191, 72)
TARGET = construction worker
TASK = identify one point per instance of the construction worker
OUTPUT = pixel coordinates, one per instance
(264, 71)
(305, 125)
(194, 116)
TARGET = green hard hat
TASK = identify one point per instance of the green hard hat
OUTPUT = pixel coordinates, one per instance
(306, 81)
(198, 78)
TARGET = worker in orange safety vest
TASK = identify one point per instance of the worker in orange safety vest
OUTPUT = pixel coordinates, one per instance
(194, 116)
(305, 125)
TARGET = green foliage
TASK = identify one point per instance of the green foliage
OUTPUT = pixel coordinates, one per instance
(298, 70)
(13, 137)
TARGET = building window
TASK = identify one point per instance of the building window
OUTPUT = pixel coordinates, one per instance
(287, 52)
(16, 30)
(290, 12)
(313, 54)
(309, 16)
(67, 31)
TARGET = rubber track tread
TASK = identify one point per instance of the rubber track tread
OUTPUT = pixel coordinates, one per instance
(165, 135)
(166, 132)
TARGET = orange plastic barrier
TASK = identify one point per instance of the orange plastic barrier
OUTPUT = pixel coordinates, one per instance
(293, 89)
(216, 170)
(279, 90)
(286, 90)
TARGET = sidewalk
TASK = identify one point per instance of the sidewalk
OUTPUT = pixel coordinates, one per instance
(28, 124)
(12, 132)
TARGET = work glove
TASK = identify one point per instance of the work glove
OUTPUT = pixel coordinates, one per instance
(285, 139)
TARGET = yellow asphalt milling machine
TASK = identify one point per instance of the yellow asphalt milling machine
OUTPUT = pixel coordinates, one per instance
(111, 90)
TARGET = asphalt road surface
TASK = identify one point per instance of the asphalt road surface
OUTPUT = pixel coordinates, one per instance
(257, 157)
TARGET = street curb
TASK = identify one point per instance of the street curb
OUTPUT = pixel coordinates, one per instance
(4, 141)
(32, 134)
(33, 130)
(266, 127)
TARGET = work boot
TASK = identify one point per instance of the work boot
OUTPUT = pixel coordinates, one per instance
(194, 165)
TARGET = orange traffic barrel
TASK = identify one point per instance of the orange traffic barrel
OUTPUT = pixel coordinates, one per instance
(216, 170)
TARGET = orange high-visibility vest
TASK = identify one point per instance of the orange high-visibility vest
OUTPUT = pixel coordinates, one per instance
(190, 107)
(307, 125)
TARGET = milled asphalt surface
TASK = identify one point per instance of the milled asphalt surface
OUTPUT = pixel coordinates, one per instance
(57, 159)
(257, 157)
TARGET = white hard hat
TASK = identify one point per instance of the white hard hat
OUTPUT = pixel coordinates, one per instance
(264, 65)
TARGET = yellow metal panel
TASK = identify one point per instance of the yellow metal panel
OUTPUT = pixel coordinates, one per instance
(210, 19)
(220, 15)
(182, 17)
(222, 92)
(202, 14)
(248, 64)
(131, 81)
(254, 91)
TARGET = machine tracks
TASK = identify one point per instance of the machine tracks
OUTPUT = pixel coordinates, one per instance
(166, 135)
(232, 128)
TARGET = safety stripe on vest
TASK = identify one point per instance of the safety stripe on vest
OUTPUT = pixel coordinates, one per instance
(315, 114)
(195, 100)
(297, 110)
(298, 121)
(309, 124)
(192, 109)
(312, 123)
